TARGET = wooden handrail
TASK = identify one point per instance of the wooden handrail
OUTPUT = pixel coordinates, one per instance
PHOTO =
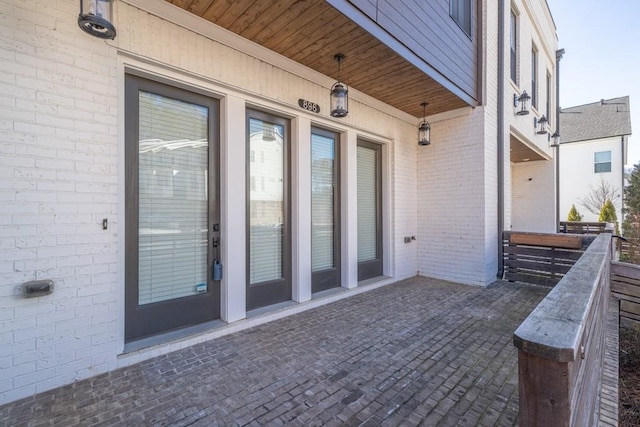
(561, 345)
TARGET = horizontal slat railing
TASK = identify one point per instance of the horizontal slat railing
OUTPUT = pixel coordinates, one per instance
(561, 345)
(625, 285)
(579, 227)
(541, 259)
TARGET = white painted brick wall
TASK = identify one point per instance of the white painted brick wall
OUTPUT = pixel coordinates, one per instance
(534, 197)
(58, 162)
(59, 177)
(452, 200)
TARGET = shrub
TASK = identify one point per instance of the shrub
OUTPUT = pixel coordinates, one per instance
(608, 214)
(574, 215)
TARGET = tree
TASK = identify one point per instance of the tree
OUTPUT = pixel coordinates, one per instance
(597, 196)
(574, 215)
(631, 224)
(608, 214)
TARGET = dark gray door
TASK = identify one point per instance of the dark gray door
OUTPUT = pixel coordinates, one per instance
(369, 210)
(171, 160)
(325, 210)
(268, 210)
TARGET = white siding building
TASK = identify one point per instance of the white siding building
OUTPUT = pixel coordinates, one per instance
(131, 167)
(593, 152)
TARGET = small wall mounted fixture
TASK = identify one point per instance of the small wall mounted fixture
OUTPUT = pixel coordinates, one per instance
(540, 125)
(95, 18)
(522, 103)
(555, 140)
(339, 98)
(424, 130)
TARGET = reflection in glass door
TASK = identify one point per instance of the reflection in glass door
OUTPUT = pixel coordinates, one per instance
(325, 212)
(171, 200)
(268, 246)
(369, 210)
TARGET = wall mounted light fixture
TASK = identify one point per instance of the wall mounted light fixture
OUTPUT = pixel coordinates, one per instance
(339, 99)
(424, 130)
(95, 18)
(555, 140)
(522, 103)
(540, 125)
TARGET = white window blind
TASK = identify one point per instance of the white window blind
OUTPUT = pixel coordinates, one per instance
(322, 202)
(367, 204)
(266, 202)
(173, 198)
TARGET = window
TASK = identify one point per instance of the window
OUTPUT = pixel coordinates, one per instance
(460, 11)
(534, 77)
(602, 162)
(325, 210)
(269, 225)
(369, 185)
(513, 43)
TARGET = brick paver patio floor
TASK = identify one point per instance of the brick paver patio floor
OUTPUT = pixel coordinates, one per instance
(420, 351)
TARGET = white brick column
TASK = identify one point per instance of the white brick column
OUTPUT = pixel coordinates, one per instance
(233, 210)
(349, 202)
(301, 208)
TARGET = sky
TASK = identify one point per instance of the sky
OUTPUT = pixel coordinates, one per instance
(601, 39)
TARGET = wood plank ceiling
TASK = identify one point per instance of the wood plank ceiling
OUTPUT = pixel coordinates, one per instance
(311, 32)
(520, 152)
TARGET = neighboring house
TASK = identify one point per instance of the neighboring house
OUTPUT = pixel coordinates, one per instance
(593, 152)
(201, 137)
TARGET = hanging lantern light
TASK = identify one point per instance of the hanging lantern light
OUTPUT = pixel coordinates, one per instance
(339, 94)
(541, 125)
(555, 140)
(424, 130)
(95, 18)
(522, 103)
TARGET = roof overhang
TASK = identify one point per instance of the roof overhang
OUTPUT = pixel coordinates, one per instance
(312, 32)
(521, 151)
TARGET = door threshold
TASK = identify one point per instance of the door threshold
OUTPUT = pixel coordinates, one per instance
(173, 335)
(328, 292)
(373, 280)
(269, 308)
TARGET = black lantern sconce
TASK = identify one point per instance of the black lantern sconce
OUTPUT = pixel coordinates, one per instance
(95, 18)
(541, 125)
(339, 94)
(555, 140)
(424, 130)
(522, 103)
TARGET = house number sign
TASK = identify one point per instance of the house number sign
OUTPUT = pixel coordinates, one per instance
(308, 105)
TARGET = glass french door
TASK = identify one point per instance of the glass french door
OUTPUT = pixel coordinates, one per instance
(268, 219)
(171, 160)
(325, 210)
(369, 210)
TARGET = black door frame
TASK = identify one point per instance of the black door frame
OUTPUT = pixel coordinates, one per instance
(274, 291)
(150, 319)
(331, 277)
(374, 268)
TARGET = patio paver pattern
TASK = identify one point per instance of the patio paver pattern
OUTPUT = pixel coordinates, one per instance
(418, 352)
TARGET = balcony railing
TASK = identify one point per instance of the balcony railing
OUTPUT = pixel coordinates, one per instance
(561, 344)
(579, 227)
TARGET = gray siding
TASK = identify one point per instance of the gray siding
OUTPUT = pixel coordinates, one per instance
(426, 28)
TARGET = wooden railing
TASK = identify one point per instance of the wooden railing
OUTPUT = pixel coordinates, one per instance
(561, 345)
(625, 286)
(629, 250)
(541, 259)
(578, 227)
